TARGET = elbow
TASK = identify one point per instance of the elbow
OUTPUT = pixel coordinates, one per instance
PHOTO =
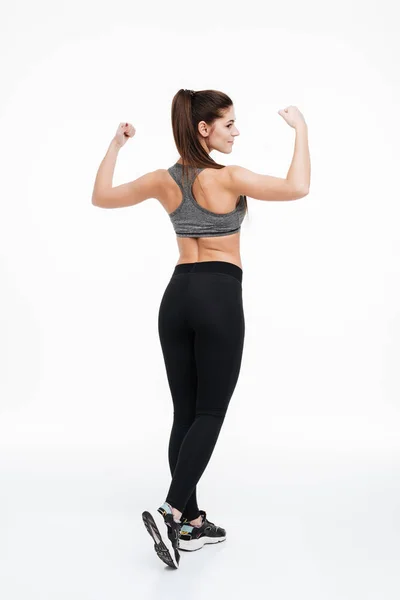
(303, 191)
(96, 203)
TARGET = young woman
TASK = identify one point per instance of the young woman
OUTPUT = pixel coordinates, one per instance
(201, 321)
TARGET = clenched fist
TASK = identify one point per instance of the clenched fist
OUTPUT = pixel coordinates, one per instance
(124, 132)
(292, 116)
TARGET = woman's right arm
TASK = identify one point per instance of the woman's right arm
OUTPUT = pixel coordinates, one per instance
(300, 170)
(265, 187)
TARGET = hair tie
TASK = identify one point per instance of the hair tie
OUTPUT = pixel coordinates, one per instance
(191, 92)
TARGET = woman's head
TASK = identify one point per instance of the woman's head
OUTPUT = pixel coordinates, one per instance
(201, 122)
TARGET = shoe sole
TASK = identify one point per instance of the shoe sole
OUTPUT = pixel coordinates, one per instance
(192, 545)
(157, 528)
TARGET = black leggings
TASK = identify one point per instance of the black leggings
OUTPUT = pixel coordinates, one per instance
(201, 327)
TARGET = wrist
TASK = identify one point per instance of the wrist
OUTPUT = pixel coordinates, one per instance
(301, 127)
(115, 144)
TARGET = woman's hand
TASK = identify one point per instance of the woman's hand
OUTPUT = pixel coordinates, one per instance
(124, 132)
(292, 116)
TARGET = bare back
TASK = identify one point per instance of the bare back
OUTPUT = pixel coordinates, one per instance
(213, 195)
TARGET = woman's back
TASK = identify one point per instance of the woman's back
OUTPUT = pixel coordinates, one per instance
(205, 213)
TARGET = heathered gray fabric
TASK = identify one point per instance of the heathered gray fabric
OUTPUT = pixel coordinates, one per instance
(192, 220)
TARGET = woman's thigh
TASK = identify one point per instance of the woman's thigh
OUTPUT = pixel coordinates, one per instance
(177, 343)
(217, 317)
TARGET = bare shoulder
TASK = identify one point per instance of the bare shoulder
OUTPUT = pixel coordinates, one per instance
(260, 187)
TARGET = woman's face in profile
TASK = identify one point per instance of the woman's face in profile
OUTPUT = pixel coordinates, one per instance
(223, 132)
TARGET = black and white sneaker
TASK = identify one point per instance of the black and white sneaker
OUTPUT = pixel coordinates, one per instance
(165, 533)
(193, 538)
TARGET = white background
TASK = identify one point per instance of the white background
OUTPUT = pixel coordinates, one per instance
(305, 475)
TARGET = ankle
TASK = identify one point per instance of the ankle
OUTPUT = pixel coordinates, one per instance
(175, 513)
(197, 522)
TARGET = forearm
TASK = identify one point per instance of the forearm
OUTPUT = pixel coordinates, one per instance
(105, 173)
(300, 169)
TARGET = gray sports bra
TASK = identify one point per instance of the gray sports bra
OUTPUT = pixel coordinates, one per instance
(192, 220)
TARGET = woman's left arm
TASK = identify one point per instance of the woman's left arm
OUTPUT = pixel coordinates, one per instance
(128, 194)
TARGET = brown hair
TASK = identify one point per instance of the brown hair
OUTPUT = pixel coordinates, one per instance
(188, 109)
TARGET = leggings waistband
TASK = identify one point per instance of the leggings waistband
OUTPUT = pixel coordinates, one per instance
(210, 266)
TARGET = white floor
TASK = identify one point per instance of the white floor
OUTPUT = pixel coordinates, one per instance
(315, 527)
